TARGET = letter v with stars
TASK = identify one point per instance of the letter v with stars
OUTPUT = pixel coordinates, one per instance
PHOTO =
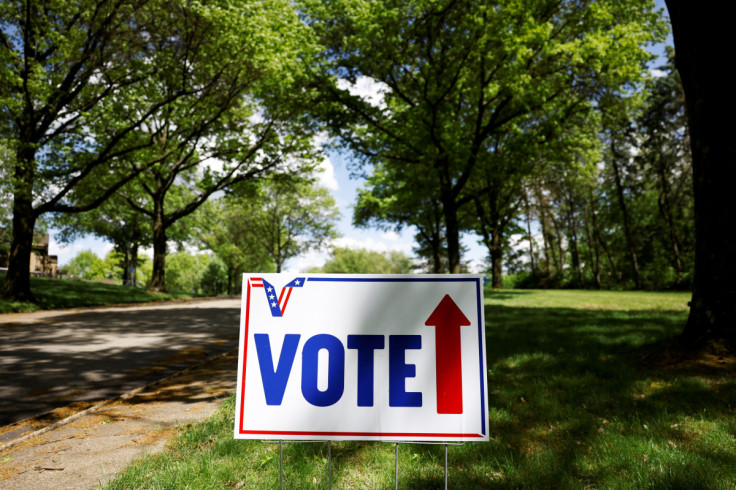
(276, 304)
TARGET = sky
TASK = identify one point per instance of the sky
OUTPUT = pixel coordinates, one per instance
(335, 176)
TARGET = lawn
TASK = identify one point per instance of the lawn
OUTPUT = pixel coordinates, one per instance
(60, 293)
(571, 404)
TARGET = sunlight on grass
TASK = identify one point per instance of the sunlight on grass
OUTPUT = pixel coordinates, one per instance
(61, 293)
(590, 300)
(570, 407)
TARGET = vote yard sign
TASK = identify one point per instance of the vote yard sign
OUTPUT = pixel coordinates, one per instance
(362, 357)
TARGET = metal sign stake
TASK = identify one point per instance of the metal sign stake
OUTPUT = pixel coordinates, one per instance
(445, 466)
(329, 460)
(396, 468)
(281, 464)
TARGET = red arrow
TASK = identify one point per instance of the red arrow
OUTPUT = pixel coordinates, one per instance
(447, 319)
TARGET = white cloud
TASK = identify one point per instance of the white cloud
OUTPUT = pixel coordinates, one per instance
(368, 89)
(476, 266)
(656, 73)
(326, 175)
(304, 262)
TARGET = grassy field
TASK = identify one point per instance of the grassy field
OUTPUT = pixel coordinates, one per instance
(572, 405)
(59, 293)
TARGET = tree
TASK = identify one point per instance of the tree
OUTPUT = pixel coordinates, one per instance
(62, 68)
(242, 122)
(88, 266)
(222, 226)
(186, 272)
(461, 76)
(699, 33)
(258, 226)
(214, 278)
(115, 221)
(287, 218)
(667, 164)
(387, 203)
(363, 261)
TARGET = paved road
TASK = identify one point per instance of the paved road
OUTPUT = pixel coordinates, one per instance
(50, 359)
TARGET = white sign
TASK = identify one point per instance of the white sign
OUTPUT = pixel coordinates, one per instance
(362, 357)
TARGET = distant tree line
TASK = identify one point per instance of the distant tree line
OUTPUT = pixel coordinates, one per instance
(621, 217)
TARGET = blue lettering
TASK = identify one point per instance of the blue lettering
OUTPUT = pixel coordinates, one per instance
(399, 370)
(274, 380)
(335, 370)
(365, 344)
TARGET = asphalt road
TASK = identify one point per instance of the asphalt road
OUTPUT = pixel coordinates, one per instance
(51, 359)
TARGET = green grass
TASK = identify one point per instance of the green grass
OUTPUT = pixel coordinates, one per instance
(570, 407)
(59, 293)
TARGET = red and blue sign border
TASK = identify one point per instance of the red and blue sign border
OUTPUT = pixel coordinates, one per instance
(409, 435)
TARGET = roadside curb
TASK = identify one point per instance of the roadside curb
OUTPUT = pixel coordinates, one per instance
(8, 317)
(124, 396)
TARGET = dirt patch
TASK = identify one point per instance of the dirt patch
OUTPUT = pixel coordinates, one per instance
(93, 448)
(673, 355)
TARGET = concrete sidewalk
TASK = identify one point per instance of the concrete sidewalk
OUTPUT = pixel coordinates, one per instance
(93, 448)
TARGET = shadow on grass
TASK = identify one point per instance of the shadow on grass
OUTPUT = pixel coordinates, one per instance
(570, 406)
(505, 294)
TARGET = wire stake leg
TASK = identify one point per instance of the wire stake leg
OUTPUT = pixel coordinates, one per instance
(445, 466)
(329, 460)
(281, 464)
(396, 467)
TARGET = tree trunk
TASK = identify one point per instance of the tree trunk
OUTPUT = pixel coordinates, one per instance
(529, 234)
(158, 276)
(436, 259)
(126, 265)
(230, 280)
(560, 252)
(452, 232)
(134, 265)
(492, 233)
(574, 247)
(627, 220)
(18, 279)
(699, 37)
(594, 246)
(665, 208)
(17, 285)
(452, 227)
(544, 222)
(496, 252)
(436, 242)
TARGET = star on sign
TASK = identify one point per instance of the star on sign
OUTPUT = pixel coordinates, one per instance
(271, 297)
(296, 282)
(269, 289)
(273, 304)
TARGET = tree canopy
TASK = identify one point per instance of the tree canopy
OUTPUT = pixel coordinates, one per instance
(464, 80)
(93, 93)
